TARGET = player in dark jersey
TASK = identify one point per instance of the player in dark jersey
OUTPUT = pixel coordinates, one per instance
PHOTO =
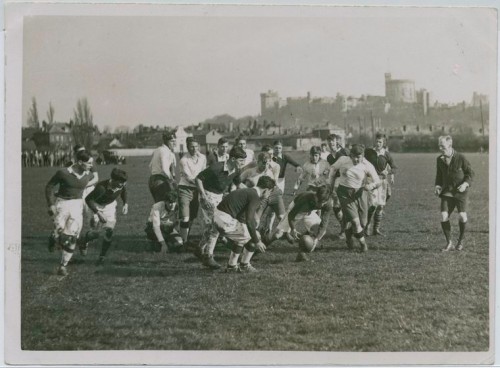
(219, 154)
(212, 183)
(66, 205)
(304, 208)
(382, 160)
(102, 203)
(336, 151)
(236, 218)
(454, 176)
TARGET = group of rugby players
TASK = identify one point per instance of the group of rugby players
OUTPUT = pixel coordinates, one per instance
(240, 195)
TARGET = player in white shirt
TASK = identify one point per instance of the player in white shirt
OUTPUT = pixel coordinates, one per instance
(162, 167)
(316, 172)
(324, 151)
(160, 228)
(354, 171)
(190, 165)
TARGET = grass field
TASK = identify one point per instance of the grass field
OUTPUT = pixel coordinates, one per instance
(403, 295)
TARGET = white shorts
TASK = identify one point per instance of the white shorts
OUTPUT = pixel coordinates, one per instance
(109, 213)
(378, 196)
(281, 184)
(69, 216)
(309, 219)
(232, 228)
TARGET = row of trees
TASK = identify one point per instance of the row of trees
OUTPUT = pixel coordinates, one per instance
(82, 124)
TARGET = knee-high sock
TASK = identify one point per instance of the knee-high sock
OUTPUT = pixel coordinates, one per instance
(461, 226)
(246, 256)
(67, 252)
(106, 244)
(371, 211)
(377, 217)
(445, 225)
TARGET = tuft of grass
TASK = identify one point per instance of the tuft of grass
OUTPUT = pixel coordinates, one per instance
(403, 295)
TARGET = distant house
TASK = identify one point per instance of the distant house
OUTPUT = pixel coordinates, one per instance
(115, 143)
(207, 139)
(60, 135)
(298, 142)
(324, 132)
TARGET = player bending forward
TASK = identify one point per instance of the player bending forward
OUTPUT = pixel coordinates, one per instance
(160, 228)
(236, 218)
(304, 208)
(354, 171)
(66, 205)
(102, 202)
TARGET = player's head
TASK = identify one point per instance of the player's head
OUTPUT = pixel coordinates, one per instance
(266, 184)
(278, 147)
(237, 157)
(357, 152)
(380, 140)
(118, 178)
(263, 160)
(268, 148)
(84, 160)
(192, 145)
(169, 139)
(222, 146)
(333, 141)
(445, 143)
(315, 154)
(241, 142)
(324, 147)
(170, 200)
(322, 195)
(78, 148)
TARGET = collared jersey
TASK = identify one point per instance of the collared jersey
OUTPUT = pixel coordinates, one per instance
(353, 176)
(381, 160)
(283, 161)
(452, 172)
(103, 194)
(71, 184)
(190, 167)
(214, 157)
(162, 161)
(242, 204)
(316, 174)
(217, 178)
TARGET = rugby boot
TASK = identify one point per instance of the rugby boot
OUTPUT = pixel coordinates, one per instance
(460, 245)
(232, 269)
(62, 271)
(449, 247)
(247, 268)
(209, 261)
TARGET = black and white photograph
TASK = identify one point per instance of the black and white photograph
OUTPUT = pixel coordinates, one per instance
(250, 184)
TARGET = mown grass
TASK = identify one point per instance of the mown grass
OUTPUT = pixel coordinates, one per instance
(403, 295)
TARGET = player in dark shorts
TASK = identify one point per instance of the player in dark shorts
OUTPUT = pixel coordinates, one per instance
(453, 178)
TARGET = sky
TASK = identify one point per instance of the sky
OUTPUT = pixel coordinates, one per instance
(180, 70)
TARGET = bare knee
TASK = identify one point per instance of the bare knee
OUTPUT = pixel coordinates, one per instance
(445, 216)
(462, 216)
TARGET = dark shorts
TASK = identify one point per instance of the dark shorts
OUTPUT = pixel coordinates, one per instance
(188, 202)
(275, 202)
(354, 203)
(448, 204)
(159, 185)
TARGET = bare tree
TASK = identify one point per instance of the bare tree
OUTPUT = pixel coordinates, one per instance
(33, 121)
(83, 125)
(50, 114)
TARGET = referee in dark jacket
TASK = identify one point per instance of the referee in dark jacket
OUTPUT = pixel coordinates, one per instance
(453, 178)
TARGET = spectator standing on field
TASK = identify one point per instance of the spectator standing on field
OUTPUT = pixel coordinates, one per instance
(453, 178)
(382, 160)
(162, 168)
(191, 164)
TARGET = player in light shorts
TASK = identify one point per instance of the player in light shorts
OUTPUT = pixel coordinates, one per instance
(66, 205)
(102, 203)
(160, 228)
(304, 209)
